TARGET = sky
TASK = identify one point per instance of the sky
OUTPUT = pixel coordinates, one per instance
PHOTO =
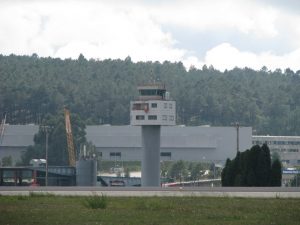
(221, 33)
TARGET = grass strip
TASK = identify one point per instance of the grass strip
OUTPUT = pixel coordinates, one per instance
(50, 209)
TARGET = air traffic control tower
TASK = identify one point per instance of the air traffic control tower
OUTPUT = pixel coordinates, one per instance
(152, 110)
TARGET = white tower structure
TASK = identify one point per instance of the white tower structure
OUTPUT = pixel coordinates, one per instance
(151, 110)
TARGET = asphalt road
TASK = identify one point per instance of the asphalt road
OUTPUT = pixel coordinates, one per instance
(255, 192)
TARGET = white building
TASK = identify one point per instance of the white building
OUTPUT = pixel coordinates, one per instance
(288, 147)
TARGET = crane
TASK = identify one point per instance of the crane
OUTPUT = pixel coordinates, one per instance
(71, 149)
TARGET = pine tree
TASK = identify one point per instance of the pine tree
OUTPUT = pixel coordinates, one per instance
(225, 174)
(249, 168)
(263, 169)
(276, 174)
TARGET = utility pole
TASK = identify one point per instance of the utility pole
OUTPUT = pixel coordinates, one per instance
(237, 137)
(46, 130)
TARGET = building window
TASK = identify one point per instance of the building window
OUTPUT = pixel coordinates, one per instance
(170, 105)
(164, 117)
(279, 143)
(293, 143)
(152, 117)
(166, 155)
(154, 105)
(171, 118)
(115, 155)
(139, 117)
(165, 105)
(148, 92)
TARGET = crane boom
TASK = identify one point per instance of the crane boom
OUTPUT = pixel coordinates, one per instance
(71, 149)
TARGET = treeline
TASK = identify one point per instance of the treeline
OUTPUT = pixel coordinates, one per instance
(100, 92)
(252, 168)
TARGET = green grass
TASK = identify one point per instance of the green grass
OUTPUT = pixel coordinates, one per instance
(48, 209)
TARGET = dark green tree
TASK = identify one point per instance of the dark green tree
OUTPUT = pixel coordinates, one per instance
(252, 168)
(237, 170)
(264, 167)
(276, 174)
(252, 165)
(226, 174)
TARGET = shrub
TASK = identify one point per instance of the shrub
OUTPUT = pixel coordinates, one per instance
(96, 202)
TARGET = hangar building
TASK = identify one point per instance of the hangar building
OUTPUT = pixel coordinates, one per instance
(177, 142)
(124, 142)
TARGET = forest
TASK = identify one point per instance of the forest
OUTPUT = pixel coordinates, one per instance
(99, 92)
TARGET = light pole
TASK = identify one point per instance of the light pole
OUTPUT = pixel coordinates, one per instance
(46, 130)
(237, 137)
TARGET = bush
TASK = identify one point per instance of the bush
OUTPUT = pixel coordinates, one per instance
(96, 202)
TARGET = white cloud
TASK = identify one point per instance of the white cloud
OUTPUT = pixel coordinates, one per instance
(244, 16)
(225, 56)
(98, 30)
(110, 29)
(192, 61)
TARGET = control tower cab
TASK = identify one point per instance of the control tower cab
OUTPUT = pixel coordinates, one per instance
(152, 107)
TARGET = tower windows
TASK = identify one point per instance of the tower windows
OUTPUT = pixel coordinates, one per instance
(140, 117)
(152, 117)
(140, 106)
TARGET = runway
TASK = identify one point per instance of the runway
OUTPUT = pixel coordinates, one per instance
(246, 192)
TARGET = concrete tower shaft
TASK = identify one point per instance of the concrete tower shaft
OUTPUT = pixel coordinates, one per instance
(151, 155)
